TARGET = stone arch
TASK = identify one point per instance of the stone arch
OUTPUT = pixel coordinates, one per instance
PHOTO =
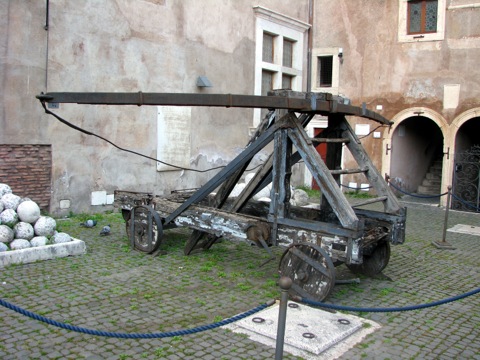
(451, 141)
(423, 112)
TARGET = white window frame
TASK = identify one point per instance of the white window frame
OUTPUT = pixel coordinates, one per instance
(281, 27)
(332, 51)
(403, 36)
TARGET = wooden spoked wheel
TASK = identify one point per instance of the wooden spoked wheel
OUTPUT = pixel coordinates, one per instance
(311, 270)
(144, 229)
(375, 259)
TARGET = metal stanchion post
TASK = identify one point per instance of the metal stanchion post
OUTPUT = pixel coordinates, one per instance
(285, 284)
(444, 244)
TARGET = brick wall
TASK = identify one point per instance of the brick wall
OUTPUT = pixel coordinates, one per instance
(27, 169)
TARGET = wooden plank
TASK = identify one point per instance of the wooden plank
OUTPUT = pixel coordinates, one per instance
(319, 140)
(348, 171)
(371, 201)
(325, 180)
(391, 204)
(310, 102)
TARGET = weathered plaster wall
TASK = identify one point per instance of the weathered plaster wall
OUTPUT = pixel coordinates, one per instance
(126, 46)
(378, 69)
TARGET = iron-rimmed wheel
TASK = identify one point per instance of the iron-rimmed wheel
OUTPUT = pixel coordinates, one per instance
(375, 260)
(146, 230)
(311, 270)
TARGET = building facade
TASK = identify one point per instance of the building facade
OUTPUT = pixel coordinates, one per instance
(159, 46)
(411, 61)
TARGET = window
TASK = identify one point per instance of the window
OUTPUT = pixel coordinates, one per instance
(267, 53)
(279, 55)
(279, 61)
(422, 16)
(287, 53)
(267, 82)
(324, 72)
(287, 81)
(421, 20)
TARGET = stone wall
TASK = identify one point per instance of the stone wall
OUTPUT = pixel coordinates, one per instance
(27, 169)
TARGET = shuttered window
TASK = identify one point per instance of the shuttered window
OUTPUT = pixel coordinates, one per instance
(268, 48)
(324, 71)
(422, 16)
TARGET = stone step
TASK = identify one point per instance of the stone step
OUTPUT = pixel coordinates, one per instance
(432, 182)
(428, 190)
(435, 170)
(432, 176)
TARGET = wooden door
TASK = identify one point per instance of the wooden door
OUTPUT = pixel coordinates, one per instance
(322, 151)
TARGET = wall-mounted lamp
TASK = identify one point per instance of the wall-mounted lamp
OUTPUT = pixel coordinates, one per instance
(202, 81)
(340, 55)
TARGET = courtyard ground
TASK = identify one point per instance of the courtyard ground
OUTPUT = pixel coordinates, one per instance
(113, 288)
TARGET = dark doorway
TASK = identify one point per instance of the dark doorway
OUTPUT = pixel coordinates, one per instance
(417, 151)
(466, 176)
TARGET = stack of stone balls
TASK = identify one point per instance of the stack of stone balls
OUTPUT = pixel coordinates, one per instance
(22, 226)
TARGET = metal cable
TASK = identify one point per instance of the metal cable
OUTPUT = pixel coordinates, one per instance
(75, 127)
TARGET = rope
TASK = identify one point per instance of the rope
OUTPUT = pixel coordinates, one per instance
(465, 203)
(393, 309)
(133, 335)
(78, 128)
(416, 195)
(433, 196)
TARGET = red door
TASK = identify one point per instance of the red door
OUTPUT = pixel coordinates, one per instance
(322, 150)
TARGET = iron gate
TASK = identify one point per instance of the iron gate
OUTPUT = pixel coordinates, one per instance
(466, 180)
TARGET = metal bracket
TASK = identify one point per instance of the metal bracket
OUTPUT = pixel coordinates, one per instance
(387, 149)
(447, 153)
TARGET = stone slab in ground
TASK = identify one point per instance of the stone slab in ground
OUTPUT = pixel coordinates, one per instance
(466, 229)
(47, 252)
(310, 333)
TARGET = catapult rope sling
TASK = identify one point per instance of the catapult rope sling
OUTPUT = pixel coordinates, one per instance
(133, 335)
(392, 309)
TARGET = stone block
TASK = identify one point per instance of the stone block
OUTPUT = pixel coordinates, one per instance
(25, 256)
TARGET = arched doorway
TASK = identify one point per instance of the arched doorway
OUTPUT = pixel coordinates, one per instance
(417, 151)
(413, 143)
(466, 174)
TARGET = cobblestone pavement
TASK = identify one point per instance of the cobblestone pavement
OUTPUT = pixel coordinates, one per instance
(115, 289)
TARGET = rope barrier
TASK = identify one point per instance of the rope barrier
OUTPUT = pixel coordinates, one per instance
(416, 195)
(433, 196)
(465, 202)
(133, 335)
(393, 309)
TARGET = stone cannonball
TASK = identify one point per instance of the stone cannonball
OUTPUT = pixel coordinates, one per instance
(1, 207)
(6, 234)
(39, 241)
(10, 201)
(3, 247)
(5, 189)
(59, 238)
(23, 230)
(19, 244)
(9, 217)
(28, 211)
(45, 226)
